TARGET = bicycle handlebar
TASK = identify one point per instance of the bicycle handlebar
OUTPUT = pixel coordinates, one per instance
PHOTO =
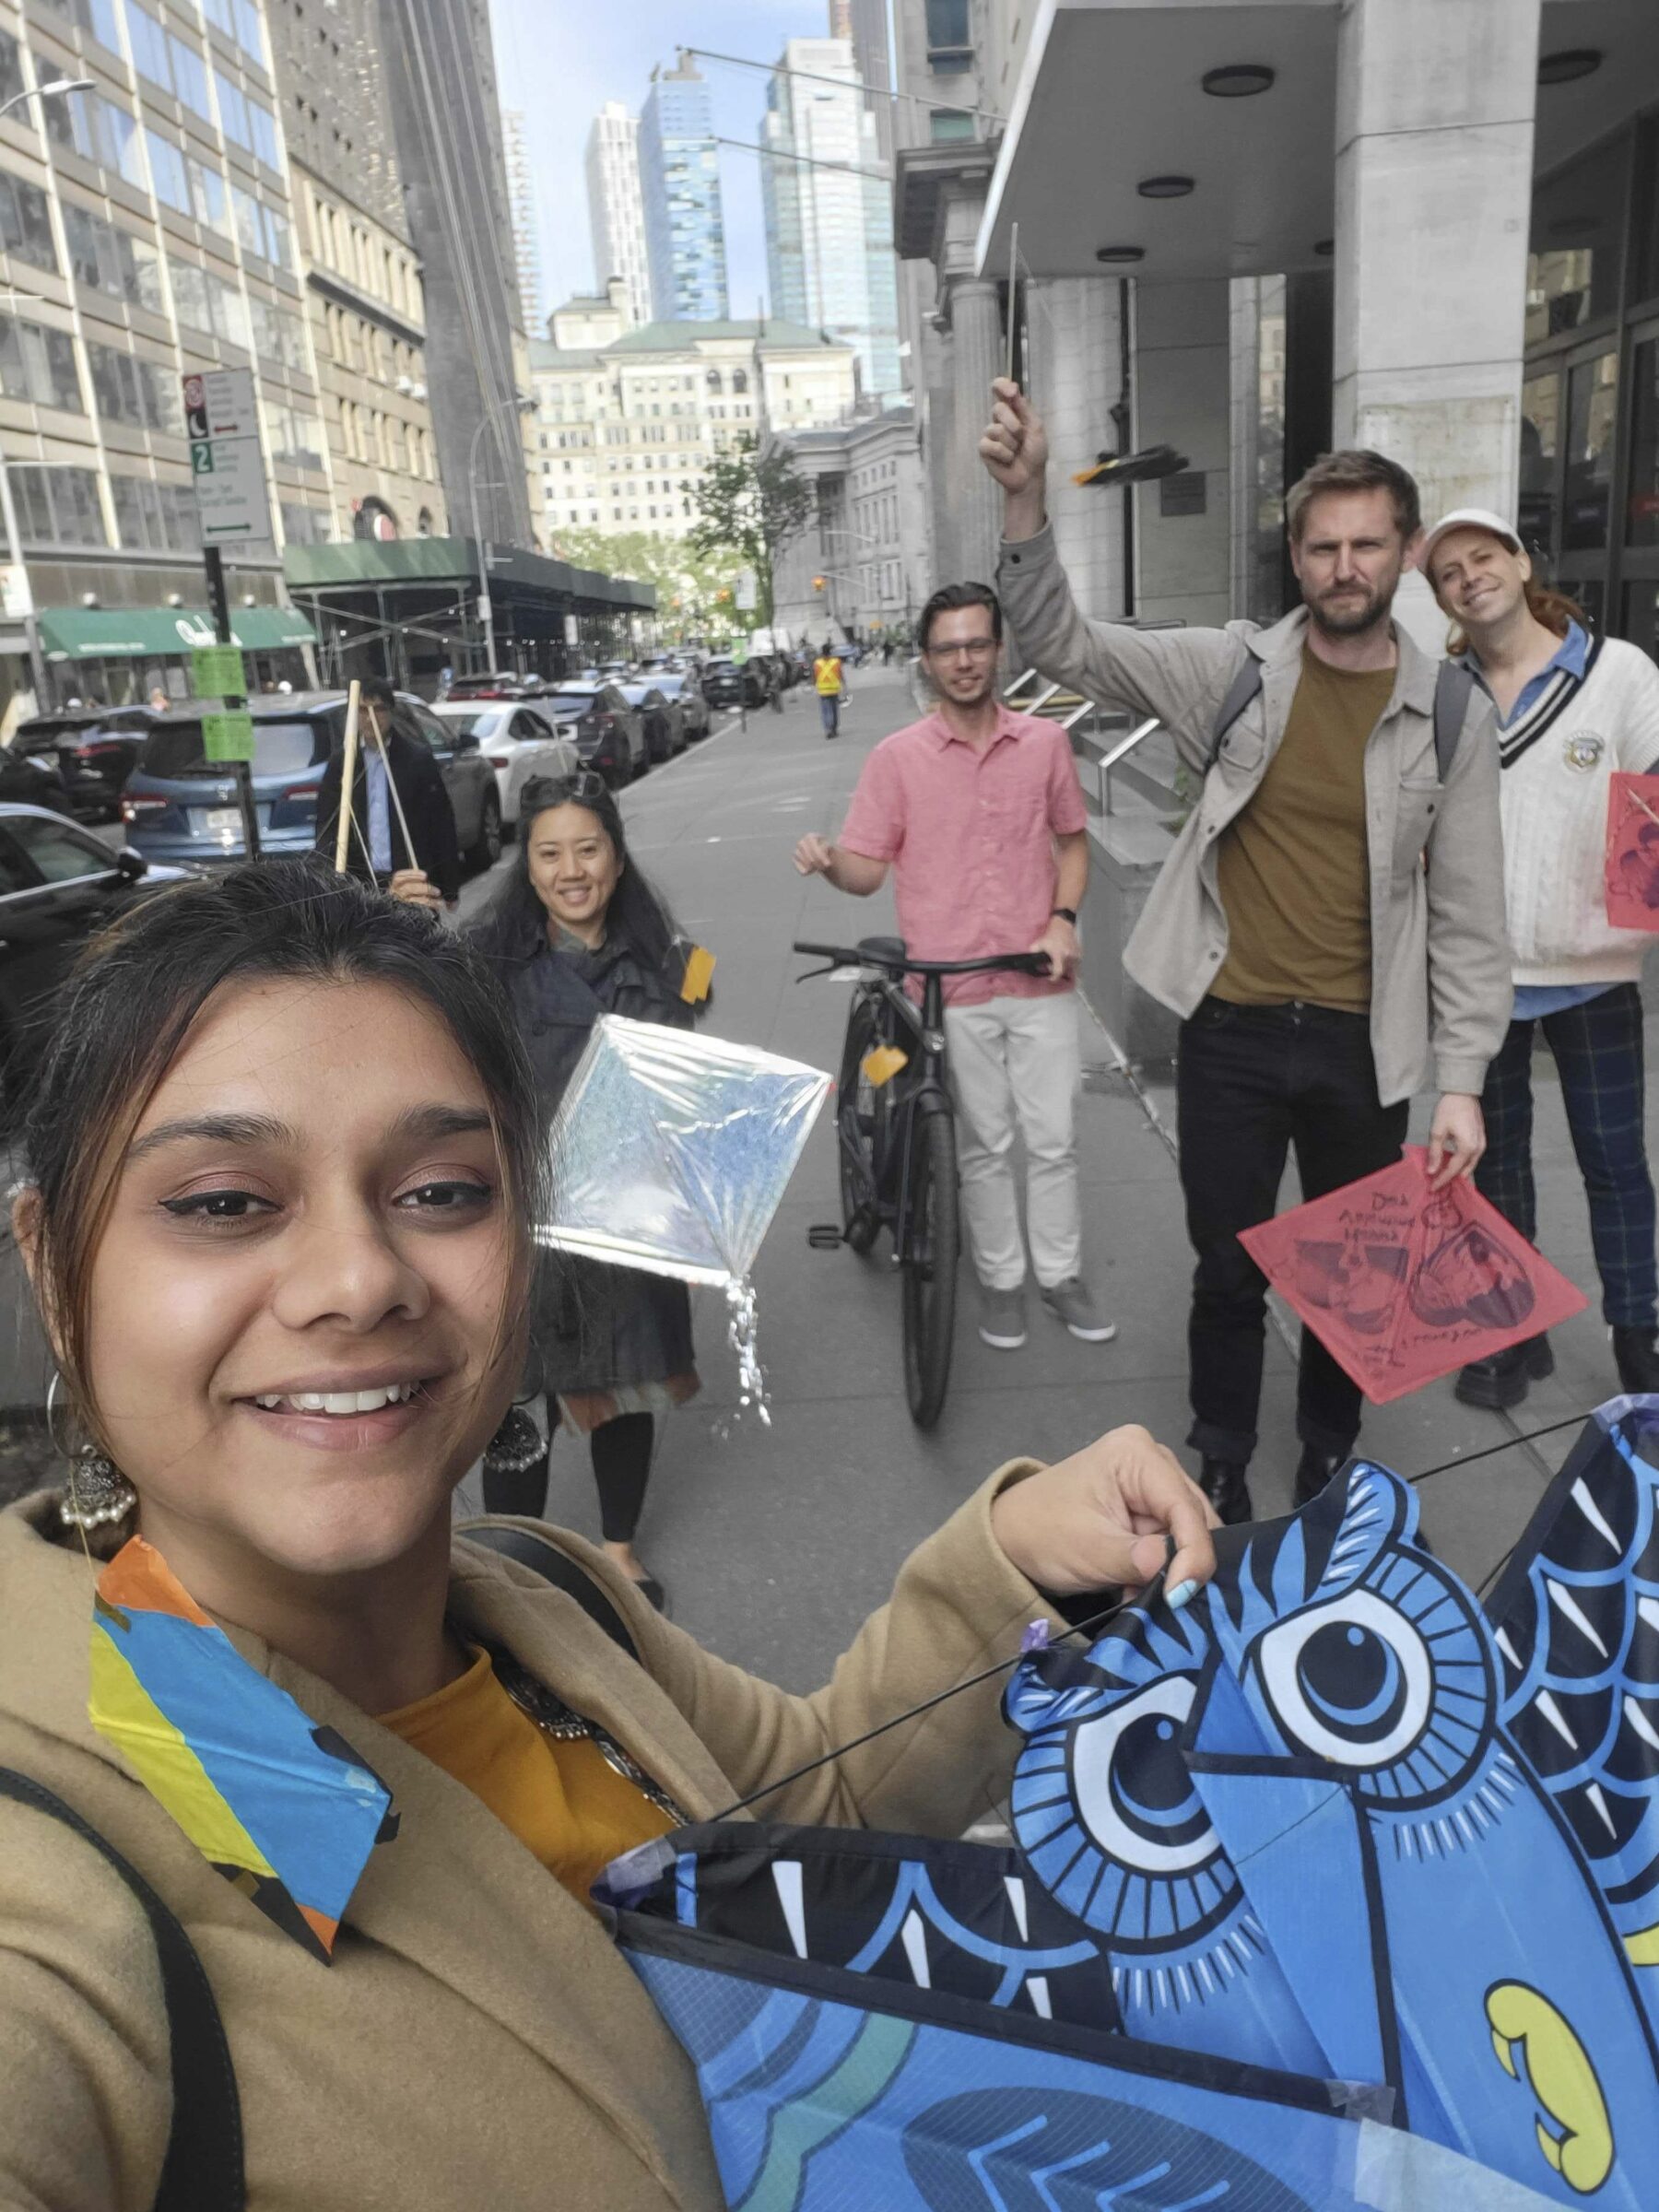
(848, 956)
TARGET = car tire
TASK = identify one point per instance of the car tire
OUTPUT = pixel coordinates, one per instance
(488, 850)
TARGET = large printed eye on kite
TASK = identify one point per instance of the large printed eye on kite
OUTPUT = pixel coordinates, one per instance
(1133, 1793)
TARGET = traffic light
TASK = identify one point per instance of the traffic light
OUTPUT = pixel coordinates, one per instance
(818, 583)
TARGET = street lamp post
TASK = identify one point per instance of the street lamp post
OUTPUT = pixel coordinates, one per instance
(522, 406)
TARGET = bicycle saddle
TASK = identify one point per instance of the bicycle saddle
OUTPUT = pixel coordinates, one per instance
(882, 949)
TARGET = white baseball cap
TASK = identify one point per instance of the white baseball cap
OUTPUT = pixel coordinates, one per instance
(1468, 518)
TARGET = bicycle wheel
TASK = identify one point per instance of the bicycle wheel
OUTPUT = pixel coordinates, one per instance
(930, 1267)
(862, 1117)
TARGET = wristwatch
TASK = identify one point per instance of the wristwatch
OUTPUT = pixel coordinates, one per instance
(1063, 913)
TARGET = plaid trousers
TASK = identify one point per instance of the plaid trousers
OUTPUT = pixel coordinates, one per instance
(1597, 1049)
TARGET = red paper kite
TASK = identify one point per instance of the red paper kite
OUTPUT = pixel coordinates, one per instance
(1401, 1284)
(1632, 865)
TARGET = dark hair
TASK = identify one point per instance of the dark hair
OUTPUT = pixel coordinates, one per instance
(514, 925)
(948, 597)
(127, 1008)
(1356, 468)
(379, 690)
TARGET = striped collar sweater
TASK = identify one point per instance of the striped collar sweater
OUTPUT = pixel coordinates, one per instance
(1557, 757)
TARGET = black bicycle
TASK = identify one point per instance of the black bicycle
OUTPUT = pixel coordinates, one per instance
(896, 1138)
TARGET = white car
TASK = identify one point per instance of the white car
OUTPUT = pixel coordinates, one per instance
(517, 742)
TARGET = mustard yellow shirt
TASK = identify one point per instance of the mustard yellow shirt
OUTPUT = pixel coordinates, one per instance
(563, 1801)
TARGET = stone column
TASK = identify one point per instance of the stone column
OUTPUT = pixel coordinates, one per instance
(1075, 380)
(1434, 149)
(1183, 399)
(977, 342)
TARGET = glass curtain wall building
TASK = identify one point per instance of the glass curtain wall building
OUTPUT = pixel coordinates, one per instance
(679, 178)
(146, 230)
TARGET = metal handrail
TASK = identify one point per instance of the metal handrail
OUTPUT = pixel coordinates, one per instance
(1122, 752)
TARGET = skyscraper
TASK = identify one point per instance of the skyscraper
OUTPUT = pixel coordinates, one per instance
(866, 23)
(828, 210)
(680, 177)
(616, 209)
(520, 209)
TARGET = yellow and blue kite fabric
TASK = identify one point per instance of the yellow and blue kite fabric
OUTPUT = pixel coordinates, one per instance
(1334, 1889)
(285, 1809)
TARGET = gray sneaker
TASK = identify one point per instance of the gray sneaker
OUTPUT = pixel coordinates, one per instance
(1072, 1303)
(1002, 1318)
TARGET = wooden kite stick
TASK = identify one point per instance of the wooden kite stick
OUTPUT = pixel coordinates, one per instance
(1636, 799)
(1013, 299)
(347, 777)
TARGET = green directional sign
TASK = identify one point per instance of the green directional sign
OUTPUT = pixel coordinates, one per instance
(227, 736)
(217, 672)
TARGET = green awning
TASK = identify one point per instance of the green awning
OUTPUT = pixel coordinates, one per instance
(90, 633)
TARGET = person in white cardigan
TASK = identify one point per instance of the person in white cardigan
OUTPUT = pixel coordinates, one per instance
(1571, 710)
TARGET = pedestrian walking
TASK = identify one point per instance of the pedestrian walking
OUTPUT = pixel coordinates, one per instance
(378, 849)
(978, 812)
(282, 1161)
(829, 684)
(574, 931)
(1329, 923)
(1571, 709)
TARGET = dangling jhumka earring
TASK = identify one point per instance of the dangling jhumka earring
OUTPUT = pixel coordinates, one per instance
(96, 1494)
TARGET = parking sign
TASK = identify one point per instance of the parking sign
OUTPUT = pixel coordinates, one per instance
(221, 421)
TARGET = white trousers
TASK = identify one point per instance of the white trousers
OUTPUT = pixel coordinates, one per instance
(1016, 1063)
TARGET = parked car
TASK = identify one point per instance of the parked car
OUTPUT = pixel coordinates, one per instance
(33, 780)
(728, 685)
(181, 808)
(518, 742)
(609, 733)
(58, 886)
(682, 690)
(94, 750)
(500, 683)
(664, 725)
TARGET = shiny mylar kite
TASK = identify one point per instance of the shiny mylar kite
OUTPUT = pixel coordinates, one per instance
(1334, 1889)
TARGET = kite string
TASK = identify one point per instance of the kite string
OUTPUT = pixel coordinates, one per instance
(1086, 1627)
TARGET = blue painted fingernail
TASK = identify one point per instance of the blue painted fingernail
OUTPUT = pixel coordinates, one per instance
(1183, 1595)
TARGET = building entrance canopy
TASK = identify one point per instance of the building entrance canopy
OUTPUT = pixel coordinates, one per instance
(112, 634)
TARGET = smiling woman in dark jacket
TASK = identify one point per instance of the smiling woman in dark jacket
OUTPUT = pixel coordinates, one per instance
(576, 930)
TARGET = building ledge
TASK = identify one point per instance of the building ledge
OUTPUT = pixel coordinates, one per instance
(335, 288)
(922, 174)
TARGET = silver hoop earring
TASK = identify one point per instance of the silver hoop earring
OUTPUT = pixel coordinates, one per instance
(96, 1494)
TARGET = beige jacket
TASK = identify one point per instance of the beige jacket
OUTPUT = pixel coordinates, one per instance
(476, 2043)
(1440, 991)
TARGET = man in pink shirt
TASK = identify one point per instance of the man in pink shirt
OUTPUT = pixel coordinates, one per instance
(979, 812)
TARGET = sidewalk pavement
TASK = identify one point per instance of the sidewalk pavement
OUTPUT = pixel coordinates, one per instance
(775, 1541)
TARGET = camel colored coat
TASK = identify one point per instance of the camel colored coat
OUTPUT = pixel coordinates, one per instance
(476, 2043)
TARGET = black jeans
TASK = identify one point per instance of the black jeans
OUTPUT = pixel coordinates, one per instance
(1250, 1082)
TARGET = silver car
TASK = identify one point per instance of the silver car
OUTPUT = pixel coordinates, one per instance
(518, 742)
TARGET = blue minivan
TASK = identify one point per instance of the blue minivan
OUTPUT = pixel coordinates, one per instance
(182, 808)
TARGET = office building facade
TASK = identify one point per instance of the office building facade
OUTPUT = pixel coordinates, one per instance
(365, 297)
(679, 178)
(439, 73)
(628, 421)
(862, 568)
(521, 205)
(864, 23)
(617, 209)
(146, 229)
(829, 208)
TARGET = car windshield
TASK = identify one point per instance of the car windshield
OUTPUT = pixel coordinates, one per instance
(670, 685)
(571, 702)
(477, 723)
(280, 748)
(44, 733)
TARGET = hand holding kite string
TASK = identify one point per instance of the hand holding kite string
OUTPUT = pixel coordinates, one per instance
(1456, 1139)
(1015, 449)
(1105, 1519)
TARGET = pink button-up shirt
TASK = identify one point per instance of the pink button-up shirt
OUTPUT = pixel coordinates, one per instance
(972, 836)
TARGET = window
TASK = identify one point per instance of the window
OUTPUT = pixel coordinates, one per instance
(59, 851)
(222, 14)
(167, 173)
(148, 42)
(206, 303)
(249, 35)
(189, 76)
(26, 223)
(233, 112)
(11, 77)
(1591, 406)
(139, 392)
(58, 506)
(1573, 268)
(99, 131)
(949, 37)
(208, 200)
(154, 518)
(278, 337)
(947, 123)
(304, 526)
(38, 364)
(263, 124)
(97, 17)
(1540, 397)
(107, 259)
(296, 439)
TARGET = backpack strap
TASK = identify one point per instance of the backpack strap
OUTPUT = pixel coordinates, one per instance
(555, 1567)
(1239, 692)
(1454, 686)
(203, 2168)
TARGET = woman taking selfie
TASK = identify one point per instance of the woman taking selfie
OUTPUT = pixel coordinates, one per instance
(575, 931)
(282, 1154)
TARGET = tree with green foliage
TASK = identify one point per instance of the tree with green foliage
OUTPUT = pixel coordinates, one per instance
(757, 503)
(694, 590)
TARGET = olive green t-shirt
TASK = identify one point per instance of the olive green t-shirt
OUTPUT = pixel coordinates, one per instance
(1295, 874)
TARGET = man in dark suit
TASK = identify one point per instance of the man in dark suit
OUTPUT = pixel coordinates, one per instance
(432, 872)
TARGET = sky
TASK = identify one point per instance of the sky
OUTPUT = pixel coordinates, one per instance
(561, 59)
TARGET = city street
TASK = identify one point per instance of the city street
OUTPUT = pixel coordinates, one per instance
(774, 1541)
